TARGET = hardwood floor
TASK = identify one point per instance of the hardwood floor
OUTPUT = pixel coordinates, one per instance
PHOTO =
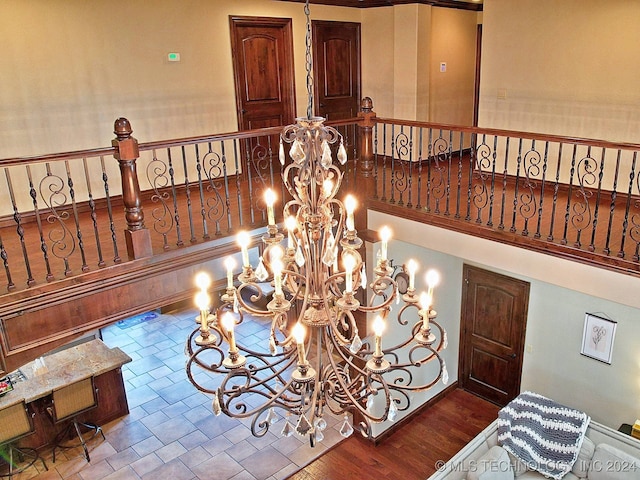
(413, 451)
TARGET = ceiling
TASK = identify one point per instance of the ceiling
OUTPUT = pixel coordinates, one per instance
(462, 4)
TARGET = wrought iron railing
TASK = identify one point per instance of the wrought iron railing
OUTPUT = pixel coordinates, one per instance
(63, 213)
(577, 198)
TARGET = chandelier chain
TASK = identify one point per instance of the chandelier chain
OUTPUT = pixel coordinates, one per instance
(309, 61)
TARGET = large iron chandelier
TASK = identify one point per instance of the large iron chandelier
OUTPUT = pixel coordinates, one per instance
(315, 360)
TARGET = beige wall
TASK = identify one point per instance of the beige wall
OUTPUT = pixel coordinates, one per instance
(71, 67)
(567, 67)
(453, 41)
(403, 47)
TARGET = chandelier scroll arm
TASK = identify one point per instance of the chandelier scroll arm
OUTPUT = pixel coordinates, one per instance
(355, 402)
(346, 318)
(423, 387)
(244, 306)
(230, 395)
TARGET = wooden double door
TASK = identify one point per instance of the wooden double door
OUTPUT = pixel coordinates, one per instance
(262, 51)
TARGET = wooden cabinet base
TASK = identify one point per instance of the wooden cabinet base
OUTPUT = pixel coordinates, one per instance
(112, 404)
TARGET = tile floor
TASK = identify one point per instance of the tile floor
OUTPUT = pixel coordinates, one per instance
(171, 432)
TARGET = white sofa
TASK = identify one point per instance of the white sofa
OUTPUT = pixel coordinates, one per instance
(606, 454)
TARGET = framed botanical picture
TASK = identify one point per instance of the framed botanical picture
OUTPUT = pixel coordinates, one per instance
(598, 336)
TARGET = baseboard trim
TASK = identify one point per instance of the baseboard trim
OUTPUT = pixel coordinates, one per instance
(398, 425)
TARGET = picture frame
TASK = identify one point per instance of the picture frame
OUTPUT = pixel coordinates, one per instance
(598, 337)
(6, 385)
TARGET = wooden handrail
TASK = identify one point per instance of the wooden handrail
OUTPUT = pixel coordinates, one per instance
(513, 133)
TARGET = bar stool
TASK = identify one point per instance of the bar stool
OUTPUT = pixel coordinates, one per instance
(68, 403)
(15, 423)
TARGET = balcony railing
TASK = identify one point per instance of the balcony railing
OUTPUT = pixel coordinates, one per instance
(63, 214)
(575, 198)
(86, 239)
(72, 213)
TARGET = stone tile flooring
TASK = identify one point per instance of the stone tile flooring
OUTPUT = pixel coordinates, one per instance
(171, 432)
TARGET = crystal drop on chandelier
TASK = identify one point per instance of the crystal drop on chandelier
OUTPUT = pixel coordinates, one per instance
(326, 159)
(356, 344)
(296, 152)
(281, 156)
(303, 426)
(272, 345)
(342, 154)
(215, 405)
(261, 272)
(299, 257)
(346, 430)
(445, 373)
(321, 424)
(363, 278)
(370, 404)
(319, 435)
(271, 417)
(393, 411)
(445, 340)
(287, 430)
(330, 254)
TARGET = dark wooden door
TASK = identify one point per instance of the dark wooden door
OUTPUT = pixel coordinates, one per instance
(336, 57)
(494, 315)
(263, 69)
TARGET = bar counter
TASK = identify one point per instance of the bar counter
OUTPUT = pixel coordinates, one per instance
(89, 359)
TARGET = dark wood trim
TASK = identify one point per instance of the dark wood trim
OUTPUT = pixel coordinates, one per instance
(461, 5)
(476, 87)
(404, 421)
(96, 299)
(567, 252)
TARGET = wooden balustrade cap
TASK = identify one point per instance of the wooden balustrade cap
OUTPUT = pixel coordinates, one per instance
(122, 128)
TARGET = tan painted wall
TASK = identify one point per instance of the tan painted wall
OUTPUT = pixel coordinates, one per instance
(453, 41)
(426, 42)
(70, 68)
(568, 67)
(407, 22)
(378, 42)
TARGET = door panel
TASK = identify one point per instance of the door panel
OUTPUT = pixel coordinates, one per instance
(494, 312)
(264, 81)
(336, 57)
(263, 69)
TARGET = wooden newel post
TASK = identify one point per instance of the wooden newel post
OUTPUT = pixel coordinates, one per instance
(366, 184)
(136, 235)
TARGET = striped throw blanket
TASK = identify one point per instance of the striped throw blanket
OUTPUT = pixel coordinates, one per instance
(543, 434)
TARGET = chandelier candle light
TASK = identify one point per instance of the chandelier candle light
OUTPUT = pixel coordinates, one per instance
(315, 360)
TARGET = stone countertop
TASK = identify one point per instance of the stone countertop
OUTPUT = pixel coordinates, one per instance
(62, 368)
